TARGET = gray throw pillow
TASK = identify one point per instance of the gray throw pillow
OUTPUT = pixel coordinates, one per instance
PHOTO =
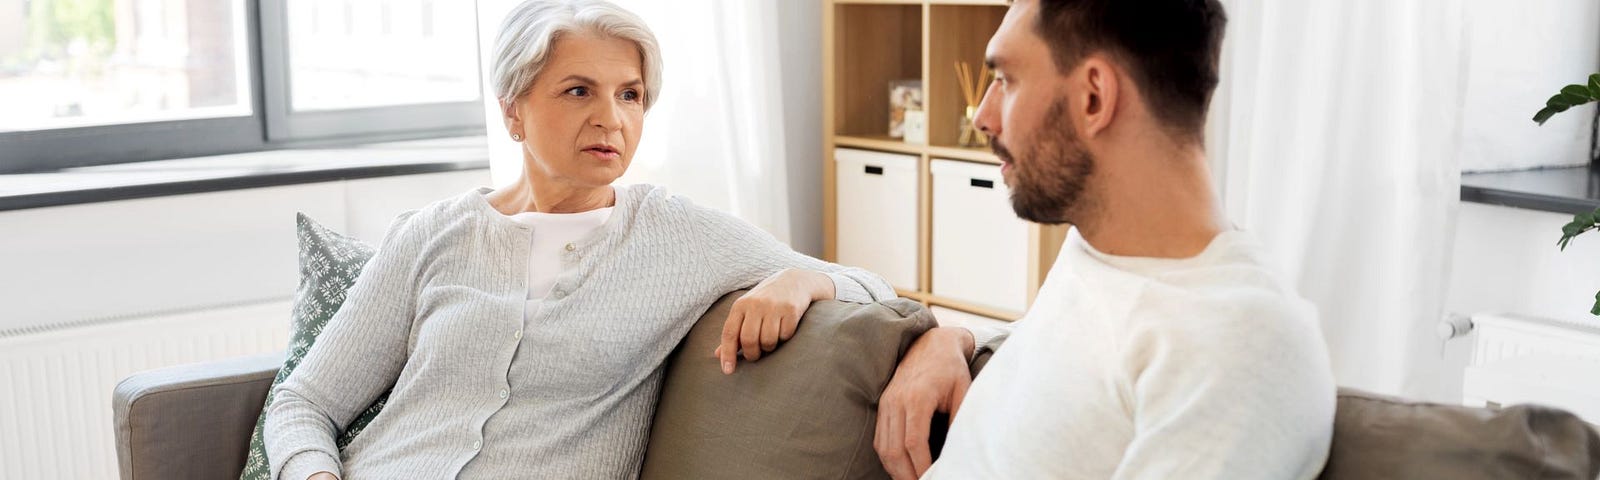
(806, 410)
(1381, 438)
(329, 265)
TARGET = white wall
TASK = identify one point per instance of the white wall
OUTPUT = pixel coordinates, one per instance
(1506, 261)
(1522, 53)
(800, 44)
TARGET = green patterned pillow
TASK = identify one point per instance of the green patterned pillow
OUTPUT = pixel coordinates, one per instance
(329, 265)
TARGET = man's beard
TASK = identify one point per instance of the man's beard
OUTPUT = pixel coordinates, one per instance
(1049, 180)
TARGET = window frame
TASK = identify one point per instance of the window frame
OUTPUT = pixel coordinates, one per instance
(270, 125)
(397, 122)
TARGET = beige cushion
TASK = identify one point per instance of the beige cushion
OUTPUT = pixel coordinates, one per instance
(1378, 438)
(806, 410)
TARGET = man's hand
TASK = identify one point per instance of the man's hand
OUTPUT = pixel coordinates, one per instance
(933, 377)
(769, 314)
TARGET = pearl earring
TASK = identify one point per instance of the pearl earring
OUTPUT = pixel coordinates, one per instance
(516, 137)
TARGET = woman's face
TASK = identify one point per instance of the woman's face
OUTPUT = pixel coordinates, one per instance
(581, 119)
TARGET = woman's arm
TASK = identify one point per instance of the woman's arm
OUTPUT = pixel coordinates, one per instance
(356, 358)
(786, 282)
(748, 255)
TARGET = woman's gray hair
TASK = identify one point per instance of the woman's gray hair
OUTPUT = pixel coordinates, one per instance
(532, 28)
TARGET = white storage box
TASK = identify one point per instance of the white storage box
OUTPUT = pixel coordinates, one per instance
(956, 318)
(980, 247)
(877, 214)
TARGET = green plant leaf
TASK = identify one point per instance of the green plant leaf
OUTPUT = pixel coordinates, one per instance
(1577, 91)
(1544, 114)
(1594, 86)
(1595, 310)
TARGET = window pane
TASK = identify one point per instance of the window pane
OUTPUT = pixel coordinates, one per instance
(370, 53)
(74, 63)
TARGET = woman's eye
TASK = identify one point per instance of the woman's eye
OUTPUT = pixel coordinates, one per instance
(578, 91)
(630, 95)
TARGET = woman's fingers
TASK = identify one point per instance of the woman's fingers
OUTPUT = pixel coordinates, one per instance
(728, 351)
(754, 326)
(750, 336)
(771, 326)
(787, 328)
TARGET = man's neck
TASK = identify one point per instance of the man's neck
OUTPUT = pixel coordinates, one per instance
(1166, 210)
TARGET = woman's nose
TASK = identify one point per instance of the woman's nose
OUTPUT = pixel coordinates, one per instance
(608, 117)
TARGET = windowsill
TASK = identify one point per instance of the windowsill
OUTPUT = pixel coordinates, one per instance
(1560, 190)
(246, 170)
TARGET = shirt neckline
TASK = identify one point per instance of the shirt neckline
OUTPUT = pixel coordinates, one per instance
(1217, 250)
(620, 210)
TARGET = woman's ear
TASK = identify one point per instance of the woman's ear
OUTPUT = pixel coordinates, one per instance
(513, 120)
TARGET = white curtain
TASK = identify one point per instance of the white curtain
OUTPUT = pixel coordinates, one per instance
(717, 133)
(1334, 136)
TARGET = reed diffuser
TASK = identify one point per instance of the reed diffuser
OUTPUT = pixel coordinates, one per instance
(972, 88)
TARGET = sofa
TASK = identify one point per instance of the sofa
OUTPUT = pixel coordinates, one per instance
(195, 421)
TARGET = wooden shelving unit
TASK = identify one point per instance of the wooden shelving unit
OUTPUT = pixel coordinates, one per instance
(866, 45)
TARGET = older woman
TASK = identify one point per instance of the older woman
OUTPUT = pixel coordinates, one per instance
(523, 330)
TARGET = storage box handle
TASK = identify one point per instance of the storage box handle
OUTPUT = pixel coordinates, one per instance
(981, 183)
(872, 170)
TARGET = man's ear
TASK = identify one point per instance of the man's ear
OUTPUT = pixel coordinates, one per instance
(1100, 82)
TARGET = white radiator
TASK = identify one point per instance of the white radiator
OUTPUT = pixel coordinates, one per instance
(55, 385)
(1519, 359)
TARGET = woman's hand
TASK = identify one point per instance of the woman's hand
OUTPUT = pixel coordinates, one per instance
(769, 314)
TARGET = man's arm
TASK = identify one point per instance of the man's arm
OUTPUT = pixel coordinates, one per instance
(1246, 397)
(933, 377)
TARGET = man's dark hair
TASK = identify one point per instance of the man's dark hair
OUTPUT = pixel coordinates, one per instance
(1171, 47)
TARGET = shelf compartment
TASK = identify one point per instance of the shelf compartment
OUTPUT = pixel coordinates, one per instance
(874, 45)
(955, 33)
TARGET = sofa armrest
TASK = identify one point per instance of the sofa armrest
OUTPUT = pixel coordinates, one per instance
(190, 421)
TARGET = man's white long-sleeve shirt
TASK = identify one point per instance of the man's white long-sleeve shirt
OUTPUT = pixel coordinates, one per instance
(1208, 367)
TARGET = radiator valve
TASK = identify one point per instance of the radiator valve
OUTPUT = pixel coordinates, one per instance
(1453, 325)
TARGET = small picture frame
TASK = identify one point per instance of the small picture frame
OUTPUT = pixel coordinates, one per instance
(904, 96)
(916, 127)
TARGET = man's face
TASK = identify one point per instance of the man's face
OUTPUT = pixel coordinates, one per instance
(1026, 111)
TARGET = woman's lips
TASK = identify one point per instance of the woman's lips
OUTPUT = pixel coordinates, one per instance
(603, 153)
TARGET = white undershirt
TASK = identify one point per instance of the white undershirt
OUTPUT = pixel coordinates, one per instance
(552, 232)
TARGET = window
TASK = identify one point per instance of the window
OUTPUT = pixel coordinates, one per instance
(91, 82)
(78, 63)
(373, 54)
(361, 67)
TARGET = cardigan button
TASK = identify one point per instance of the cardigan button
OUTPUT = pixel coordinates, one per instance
(571, 247)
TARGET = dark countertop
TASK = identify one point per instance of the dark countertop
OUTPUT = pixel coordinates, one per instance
(1561, 190)
(245, 170)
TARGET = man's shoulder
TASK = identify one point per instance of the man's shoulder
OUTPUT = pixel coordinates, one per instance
(1225, 317)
